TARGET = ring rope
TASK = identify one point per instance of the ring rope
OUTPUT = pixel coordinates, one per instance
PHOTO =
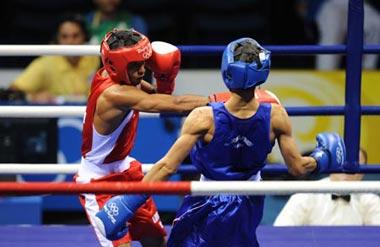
(49, 111)
(13, 168)
(70, 50)
(12, 188)
(283, 188)
(193, 188)
(16, 111)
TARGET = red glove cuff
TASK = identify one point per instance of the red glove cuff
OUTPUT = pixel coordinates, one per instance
(262, 95)
(266, 96)
(219, 97)
(164, 85)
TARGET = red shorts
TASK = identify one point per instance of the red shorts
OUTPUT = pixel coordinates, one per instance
(145, 223)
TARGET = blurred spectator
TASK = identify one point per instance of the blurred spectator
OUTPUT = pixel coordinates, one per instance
(332, 209)
(332, 24)
(53, 79)
(305, 11)
(303, 31)
(109, 15)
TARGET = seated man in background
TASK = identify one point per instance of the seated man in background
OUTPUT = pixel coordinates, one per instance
(53, 79)
(331, 209)
(227, 141)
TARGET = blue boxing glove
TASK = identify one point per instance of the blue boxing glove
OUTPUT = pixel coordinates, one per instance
(112, 219)
(330, 152)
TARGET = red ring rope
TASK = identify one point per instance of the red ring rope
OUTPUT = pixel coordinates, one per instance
(177, 188)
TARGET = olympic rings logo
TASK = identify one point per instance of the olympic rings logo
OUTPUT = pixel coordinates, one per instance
(113, 209)
(339, 154)
(146, 51)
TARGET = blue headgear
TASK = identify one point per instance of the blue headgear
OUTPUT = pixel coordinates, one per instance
(241, 75)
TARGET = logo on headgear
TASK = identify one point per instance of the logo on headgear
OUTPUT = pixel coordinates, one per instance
(146, 51)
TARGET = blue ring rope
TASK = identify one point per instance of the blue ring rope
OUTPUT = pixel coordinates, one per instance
(311, 111)
(279, 49)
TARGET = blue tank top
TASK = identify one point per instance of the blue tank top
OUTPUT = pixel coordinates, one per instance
(239, 147)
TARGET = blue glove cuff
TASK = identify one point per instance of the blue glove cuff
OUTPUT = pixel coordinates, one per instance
(111, 220)
(134, 201)
(322, 159)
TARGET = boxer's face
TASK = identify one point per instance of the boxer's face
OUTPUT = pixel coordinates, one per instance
(136, 72)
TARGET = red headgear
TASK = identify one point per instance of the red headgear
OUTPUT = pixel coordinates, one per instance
(116, 61)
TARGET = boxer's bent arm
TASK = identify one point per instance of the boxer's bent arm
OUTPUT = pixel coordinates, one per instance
(196, 125)
(127, 97)
(148, 87)
(298, 165)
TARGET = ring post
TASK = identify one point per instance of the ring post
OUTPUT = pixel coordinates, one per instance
(352, 114)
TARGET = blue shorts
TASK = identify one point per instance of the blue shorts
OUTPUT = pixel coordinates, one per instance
(221, 220)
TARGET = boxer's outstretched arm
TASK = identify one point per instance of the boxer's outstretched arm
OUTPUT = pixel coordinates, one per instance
(129, 97)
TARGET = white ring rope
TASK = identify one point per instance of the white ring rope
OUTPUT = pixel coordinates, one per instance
(49, 111)
(282, 188)
(220, 187)
(38, 50)
(13, 168)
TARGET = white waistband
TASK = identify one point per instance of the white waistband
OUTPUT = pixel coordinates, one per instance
(88, 170)
(255, 177)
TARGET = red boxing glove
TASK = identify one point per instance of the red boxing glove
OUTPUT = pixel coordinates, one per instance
(266, 96)
(164, 63)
